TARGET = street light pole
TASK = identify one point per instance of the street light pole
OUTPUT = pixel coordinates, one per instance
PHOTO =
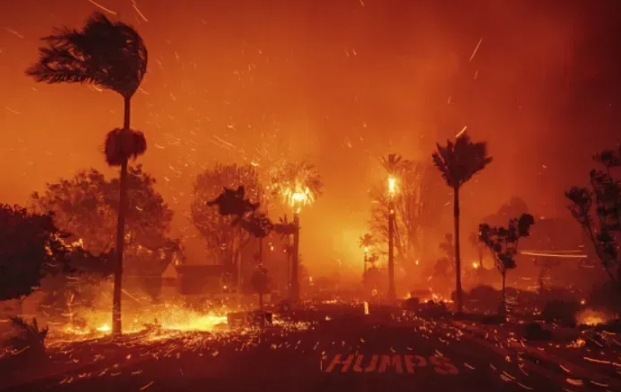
(295, 282)
(392, 295)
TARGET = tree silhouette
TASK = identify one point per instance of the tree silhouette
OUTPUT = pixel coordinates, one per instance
(31, 247)
(366, 241)
(220, 199)
(458, 162)
(86, 206)
(260, 284)
(259, 226)
(113, 56)
(597, 209)
(503, 243)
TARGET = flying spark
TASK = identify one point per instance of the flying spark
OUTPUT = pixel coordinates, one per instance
(476, 49)
(101, 7)
(139, 12)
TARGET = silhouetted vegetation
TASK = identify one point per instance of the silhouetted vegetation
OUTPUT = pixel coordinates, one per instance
(457, 162)
(503, 242)
(597, 209)
(113, 56)
(223, 239)
(29, 337)
(562, 312)
(535, 331)
(31, 247)
(260, 283)
(86, 206)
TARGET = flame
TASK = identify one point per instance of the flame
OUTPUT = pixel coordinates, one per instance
(592, 317)
(168, 316)
(475, 265)
(298, 197)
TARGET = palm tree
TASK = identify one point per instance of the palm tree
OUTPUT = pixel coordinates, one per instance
(394, 165)
(458, 162)
(298, 184)
(113, 56)
(365, 241)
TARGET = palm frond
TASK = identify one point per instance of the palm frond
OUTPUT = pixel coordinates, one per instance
(109, 54)
(459, 161)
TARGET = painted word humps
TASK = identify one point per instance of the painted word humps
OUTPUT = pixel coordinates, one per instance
(393, 363)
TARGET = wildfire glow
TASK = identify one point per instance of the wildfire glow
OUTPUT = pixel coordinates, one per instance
(168, 316)
(591, 317)
(298, 197)
(392, 185)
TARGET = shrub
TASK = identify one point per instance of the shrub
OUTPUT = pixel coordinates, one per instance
(30, 338)
(561, 312)
(534, 331)
(605, 297)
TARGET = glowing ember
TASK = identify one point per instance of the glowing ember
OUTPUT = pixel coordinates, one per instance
(87, 323)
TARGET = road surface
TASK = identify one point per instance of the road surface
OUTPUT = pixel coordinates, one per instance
(353, 353)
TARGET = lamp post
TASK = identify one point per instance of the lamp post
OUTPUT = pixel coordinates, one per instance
(366, 259)
(392, 188)
(297, 200)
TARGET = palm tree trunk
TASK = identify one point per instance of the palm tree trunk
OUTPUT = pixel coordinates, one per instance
(458, 295)
(120, 232)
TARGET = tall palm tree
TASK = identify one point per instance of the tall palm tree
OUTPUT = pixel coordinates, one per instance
(458, 161)
(113, 56)
(394, 166)
(298, 184)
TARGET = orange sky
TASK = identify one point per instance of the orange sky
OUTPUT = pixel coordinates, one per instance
(340, 82)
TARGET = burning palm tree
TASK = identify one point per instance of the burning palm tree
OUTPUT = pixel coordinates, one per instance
(113, 56)
(298, 184)
(458, 161)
